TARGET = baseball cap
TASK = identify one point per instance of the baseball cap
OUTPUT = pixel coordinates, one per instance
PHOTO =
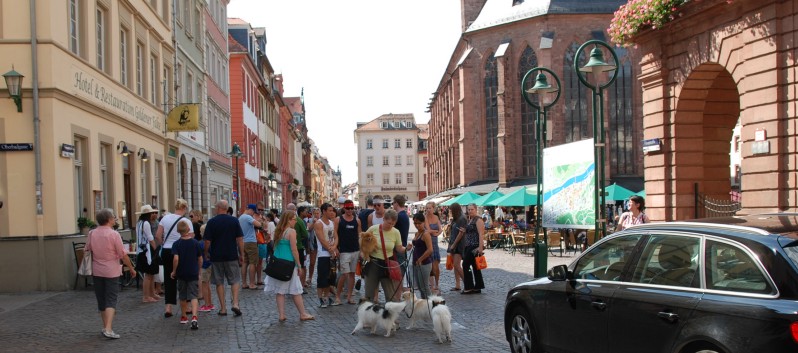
(253, 207)
(349, 203)
(341, 199)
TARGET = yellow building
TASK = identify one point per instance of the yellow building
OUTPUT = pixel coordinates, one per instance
(101, 68)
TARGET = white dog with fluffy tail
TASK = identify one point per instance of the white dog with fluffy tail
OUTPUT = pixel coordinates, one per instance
(371, 315)
(442, 322)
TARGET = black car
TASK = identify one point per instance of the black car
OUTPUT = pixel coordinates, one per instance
(713, 285)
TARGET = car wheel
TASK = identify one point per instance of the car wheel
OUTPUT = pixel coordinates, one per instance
(522, 335)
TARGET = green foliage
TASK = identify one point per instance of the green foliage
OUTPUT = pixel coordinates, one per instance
(84, 222)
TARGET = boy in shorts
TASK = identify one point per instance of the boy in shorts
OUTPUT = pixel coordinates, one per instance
(187, 262)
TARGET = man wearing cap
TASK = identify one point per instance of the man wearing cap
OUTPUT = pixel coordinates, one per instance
(379, 212)
(249, 220)
(340, 211)
(348, 229)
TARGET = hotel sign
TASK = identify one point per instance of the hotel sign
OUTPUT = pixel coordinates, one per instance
(132, 108)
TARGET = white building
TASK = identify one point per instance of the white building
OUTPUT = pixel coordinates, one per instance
(387, 155)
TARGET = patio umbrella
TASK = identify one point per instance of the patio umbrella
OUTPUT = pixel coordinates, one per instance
(484, 199)
(616, 192)
(642, 193)
(521, 197)
(463, 199)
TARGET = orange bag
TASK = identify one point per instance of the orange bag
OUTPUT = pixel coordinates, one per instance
(449, 262)
(481, 262)
(359, 268)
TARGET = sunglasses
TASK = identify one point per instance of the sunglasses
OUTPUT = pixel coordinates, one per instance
(349, 208)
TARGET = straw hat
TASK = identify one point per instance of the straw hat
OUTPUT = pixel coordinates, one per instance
(147, 209)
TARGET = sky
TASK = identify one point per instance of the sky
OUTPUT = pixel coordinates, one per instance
(356, 60)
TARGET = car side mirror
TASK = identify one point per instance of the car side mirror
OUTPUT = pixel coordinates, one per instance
(558, 273)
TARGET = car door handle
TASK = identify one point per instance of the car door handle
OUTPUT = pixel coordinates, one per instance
(670, 317)
(599, 305)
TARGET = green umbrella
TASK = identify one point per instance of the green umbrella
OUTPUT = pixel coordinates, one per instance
(521, 197)
(642, 193)
(483, 200)
(616, 192)
(463, 199)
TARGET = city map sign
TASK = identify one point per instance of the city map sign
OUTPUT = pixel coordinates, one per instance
(569, 174)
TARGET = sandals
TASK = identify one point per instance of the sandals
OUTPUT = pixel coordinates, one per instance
(236, 311)
(455, 289)
(307, 318)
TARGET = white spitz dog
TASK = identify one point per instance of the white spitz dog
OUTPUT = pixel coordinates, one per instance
(419, 309)
(442, 322)
(372, 315)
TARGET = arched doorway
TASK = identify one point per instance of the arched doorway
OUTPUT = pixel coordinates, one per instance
(707, 110)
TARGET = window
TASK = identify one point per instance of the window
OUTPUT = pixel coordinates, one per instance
(370, 179)
(385, 161)
(123, 58)
(105, 169)
(140, 69)
(369, 144)
(409, 160)
(154, 80)
(370, 161)
(410, 178)
(398, 178)
(528, 131)
(179, 83)
(576, 113)
(733, 269)
(386, 178)
(607, 261)
(145, 181)
(669, 260)
(80, 178)
(157, 190)
(397, 143)
(101, 54)
(384, 144)
(397, 160)
(409, 143)
(74, 27)
(189, 87)
(167, 78)
(187, 14)
(621, 136)
(490, 89)
(179, 11)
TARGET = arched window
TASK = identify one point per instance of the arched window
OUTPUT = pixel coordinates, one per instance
(527, 62)
(621, 113)
(576, 99)
(491, 85)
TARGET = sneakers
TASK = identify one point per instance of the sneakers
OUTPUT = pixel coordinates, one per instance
(333, 303)
(183, 320)
(323, 303)
(110, 334)
(207, 308)
(194, 324)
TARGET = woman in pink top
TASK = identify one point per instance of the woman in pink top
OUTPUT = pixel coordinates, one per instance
(635, 214)
(105, 245)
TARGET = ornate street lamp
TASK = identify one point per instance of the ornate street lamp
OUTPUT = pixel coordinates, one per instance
(596, 65)
(14, 83)
(236, 153)
(541, 86)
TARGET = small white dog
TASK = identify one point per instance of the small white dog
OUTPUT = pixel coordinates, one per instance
(419, 309)
(442, 322)
(372, 315)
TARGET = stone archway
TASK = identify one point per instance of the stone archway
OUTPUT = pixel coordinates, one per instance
(706, 111)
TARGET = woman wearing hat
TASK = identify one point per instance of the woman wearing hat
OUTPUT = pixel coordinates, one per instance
(146, 256)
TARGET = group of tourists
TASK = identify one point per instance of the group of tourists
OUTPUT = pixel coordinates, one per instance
(190, 256)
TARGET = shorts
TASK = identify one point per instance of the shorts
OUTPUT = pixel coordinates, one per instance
(187, 290)
(251, 253)
(106, 290)
(301, 257)
(225, 269)
(348, 261)
(205, 274)
(436, 250)
(263, 251)
(323, 272)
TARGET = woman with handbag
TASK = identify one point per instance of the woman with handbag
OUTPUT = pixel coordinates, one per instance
(146, 258)
(286, 253)
(382, 268)
(105, 246)
(474, 240)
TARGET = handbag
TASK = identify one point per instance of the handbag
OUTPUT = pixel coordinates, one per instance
(481, 262)
(85, 264)
(394, 272)
(449, 262)
(279, 269)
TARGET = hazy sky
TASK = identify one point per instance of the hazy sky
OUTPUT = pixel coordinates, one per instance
(356, 59)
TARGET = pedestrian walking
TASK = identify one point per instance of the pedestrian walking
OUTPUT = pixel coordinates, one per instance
(248, 221)
(348, 230)
(167, 235)
(433, 228)
(326, 251)
(224, 245)
(422, 256)
(146, 257)
(474, 240)
(457, 243)
(186, 264)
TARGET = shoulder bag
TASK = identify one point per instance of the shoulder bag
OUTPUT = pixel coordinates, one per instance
(166, 235)
(277, 268)
(85, 263)
(394, 271)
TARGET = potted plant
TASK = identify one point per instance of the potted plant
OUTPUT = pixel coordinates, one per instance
(84, 224)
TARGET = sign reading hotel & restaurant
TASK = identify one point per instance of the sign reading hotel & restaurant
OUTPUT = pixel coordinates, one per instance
(100, 93)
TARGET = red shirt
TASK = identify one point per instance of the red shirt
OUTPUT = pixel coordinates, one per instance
(107, 250)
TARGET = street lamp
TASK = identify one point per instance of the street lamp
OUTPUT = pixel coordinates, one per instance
(14, 83)
(236, 153)
(597, 65)
(541, 86)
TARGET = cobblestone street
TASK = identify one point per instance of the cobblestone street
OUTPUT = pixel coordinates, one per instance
(68, 321)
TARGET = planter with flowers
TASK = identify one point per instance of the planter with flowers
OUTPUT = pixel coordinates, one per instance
(640, 15)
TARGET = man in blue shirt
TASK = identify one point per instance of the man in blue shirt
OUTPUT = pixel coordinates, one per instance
(224, 245)
(249, 220)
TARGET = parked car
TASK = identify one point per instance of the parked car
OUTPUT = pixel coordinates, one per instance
(714, 285)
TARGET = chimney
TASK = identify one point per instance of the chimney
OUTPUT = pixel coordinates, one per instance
(469, 10)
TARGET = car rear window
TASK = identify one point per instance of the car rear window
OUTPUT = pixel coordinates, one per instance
(730, 268)
(792, 252)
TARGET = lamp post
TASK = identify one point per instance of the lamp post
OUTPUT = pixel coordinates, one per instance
(541, 87)
(236, 153)
(595, 66)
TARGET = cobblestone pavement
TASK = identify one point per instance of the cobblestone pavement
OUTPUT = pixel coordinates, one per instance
(69, 322)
